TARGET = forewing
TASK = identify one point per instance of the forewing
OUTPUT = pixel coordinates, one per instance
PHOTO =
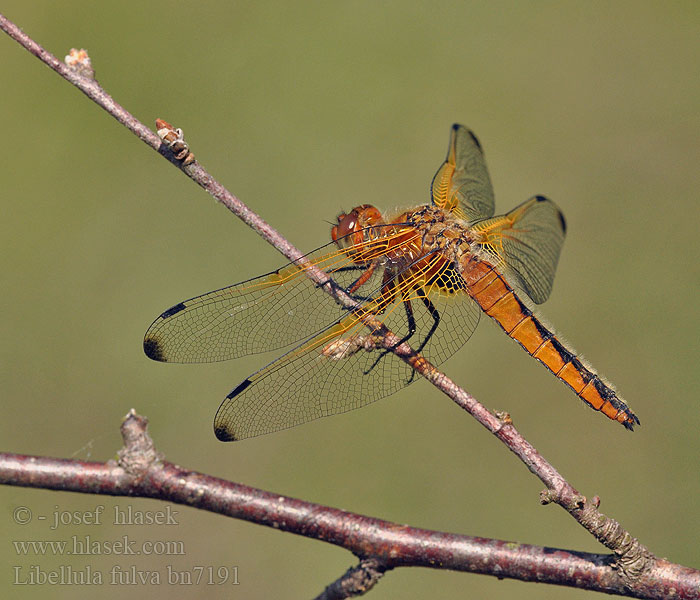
(528, 241)
(342, 368)
(462, 185)
(265, 313)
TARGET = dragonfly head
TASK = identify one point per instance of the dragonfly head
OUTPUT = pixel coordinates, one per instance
(349, 230)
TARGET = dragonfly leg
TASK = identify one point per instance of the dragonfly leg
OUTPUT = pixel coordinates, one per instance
(411, 323)
(434, 313)
(355, 284)
(362, 279)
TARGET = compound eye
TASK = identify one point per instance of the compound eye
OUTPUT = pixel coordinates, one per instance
(346, 225)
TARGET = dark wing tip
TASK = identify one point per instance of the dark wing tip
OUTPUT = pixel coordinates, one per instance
(151, 344)
(173, 310)
(222, 431)
(475, 139)
(153, 349)
(222, 434)
(457, 126)
(562, 220)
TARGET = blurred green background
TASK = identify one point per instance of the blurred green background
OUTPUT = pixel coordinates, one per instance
(304, 109)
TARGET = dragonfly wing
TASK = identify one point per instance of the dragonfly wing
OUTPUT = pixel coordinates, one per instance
(528, 241)
(462, 185)
(343, 367)
(302, 385)
(267, 312)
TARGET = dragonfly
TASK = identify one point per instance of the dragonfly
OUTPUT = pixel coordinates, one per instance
(427, 274)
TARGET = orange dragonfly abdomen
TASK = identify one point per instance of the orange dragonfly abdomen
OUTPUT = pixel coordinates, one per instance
(500, 302)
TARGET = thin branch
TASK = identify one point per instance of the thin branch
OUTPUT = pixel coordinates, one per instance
(381, 545)
(356, 581)
(634, 561)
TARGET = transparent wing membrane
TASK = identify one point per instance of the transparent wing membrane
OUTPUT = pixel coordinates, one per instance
(265, 313)
(343, 367)
(528, 241)
(462, 184)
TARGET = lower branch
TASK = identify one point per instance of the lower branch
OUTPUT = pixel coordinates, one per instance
(381, 545)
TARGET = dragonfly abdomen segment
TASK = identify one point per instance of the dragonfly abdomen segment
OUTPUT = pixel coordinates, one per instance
(498, 300)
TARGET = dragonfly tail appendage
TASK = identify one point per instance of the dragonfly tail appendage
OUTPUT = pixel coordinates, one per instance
(498, 300)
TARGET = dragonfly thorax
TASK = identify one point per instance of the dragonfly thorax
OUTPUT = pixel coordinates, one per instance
(403, 239)
(440, 232)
